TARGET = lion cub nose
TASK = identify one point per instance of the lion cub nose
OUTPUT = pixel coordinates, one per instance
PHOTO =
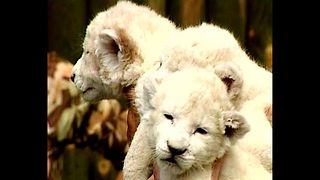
(72, 77)
(176, 151)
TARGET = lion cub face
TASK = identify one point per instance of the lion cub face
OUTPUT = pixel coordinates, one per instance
(120, 44)
(86, 77)
(192, 118)
(98, 62)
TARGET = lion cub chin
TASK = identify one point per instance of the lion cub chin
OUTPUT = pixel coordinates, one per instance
(187, 123)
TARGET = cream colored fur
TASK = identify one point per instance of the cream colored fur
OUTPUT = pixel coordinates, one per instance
(251, 91)
(208, 45)
(189, 110)
(120, 44)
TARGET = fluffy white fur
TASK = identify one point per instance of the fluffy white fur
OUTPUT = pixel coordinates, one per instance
(189, 112)
(249, 88)
(249, 85)
(209, 45)
(120, 44)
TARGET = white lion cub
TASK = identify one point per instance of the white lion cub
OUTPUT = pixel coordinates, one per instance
(248, 84)
(187, 123)
(120, 44)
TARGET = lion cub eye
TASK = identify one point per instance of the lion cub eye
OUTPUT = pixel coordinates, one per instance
(87, 52)
(201, 131)
(168, 116)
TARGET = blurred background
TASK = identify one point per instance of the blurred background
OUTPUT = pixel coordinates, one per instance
(88, 141)
(249, 20)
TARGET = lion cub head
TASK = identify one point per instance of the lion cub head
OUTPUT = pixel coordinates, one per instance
(120, 43)
(191, 117)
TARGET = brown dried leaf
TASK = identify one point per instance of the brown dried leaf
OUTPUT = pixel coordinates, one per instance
(50, 129)
(104, 167)
(104, 107)
(126, 148)
(116, 107)
(123, 116)
(268, 54)
(110, 140)
(63, 71)
(118, 136)
(110, 126)
(52, 62)
(95, 122)
(122, 130)
(80, 111)
(71, 147)
(65, 122)
(73, 91)
(54, 94)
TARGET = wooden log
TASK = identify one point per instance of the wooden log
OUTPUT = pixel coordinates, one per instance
(186, 12)
(192, 12)
(173, 11)
(268, 53)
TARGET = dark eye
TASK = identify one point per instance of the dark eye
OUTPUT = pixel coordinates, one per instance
(160, 64)
(168, 116)
(87, 52)
(201, 131)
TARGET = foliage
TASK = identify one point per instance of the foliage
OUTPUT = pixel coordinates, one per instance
(85, 141)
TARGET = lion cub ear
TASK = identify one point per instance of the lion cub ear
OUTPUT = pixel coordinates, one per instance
(110, 41)
(235, 125)
(146, 88)
(231, 76)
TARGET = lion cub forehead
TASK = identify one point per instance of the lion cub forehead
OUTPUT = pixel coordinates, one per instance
(192, 80)
(191, 88)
